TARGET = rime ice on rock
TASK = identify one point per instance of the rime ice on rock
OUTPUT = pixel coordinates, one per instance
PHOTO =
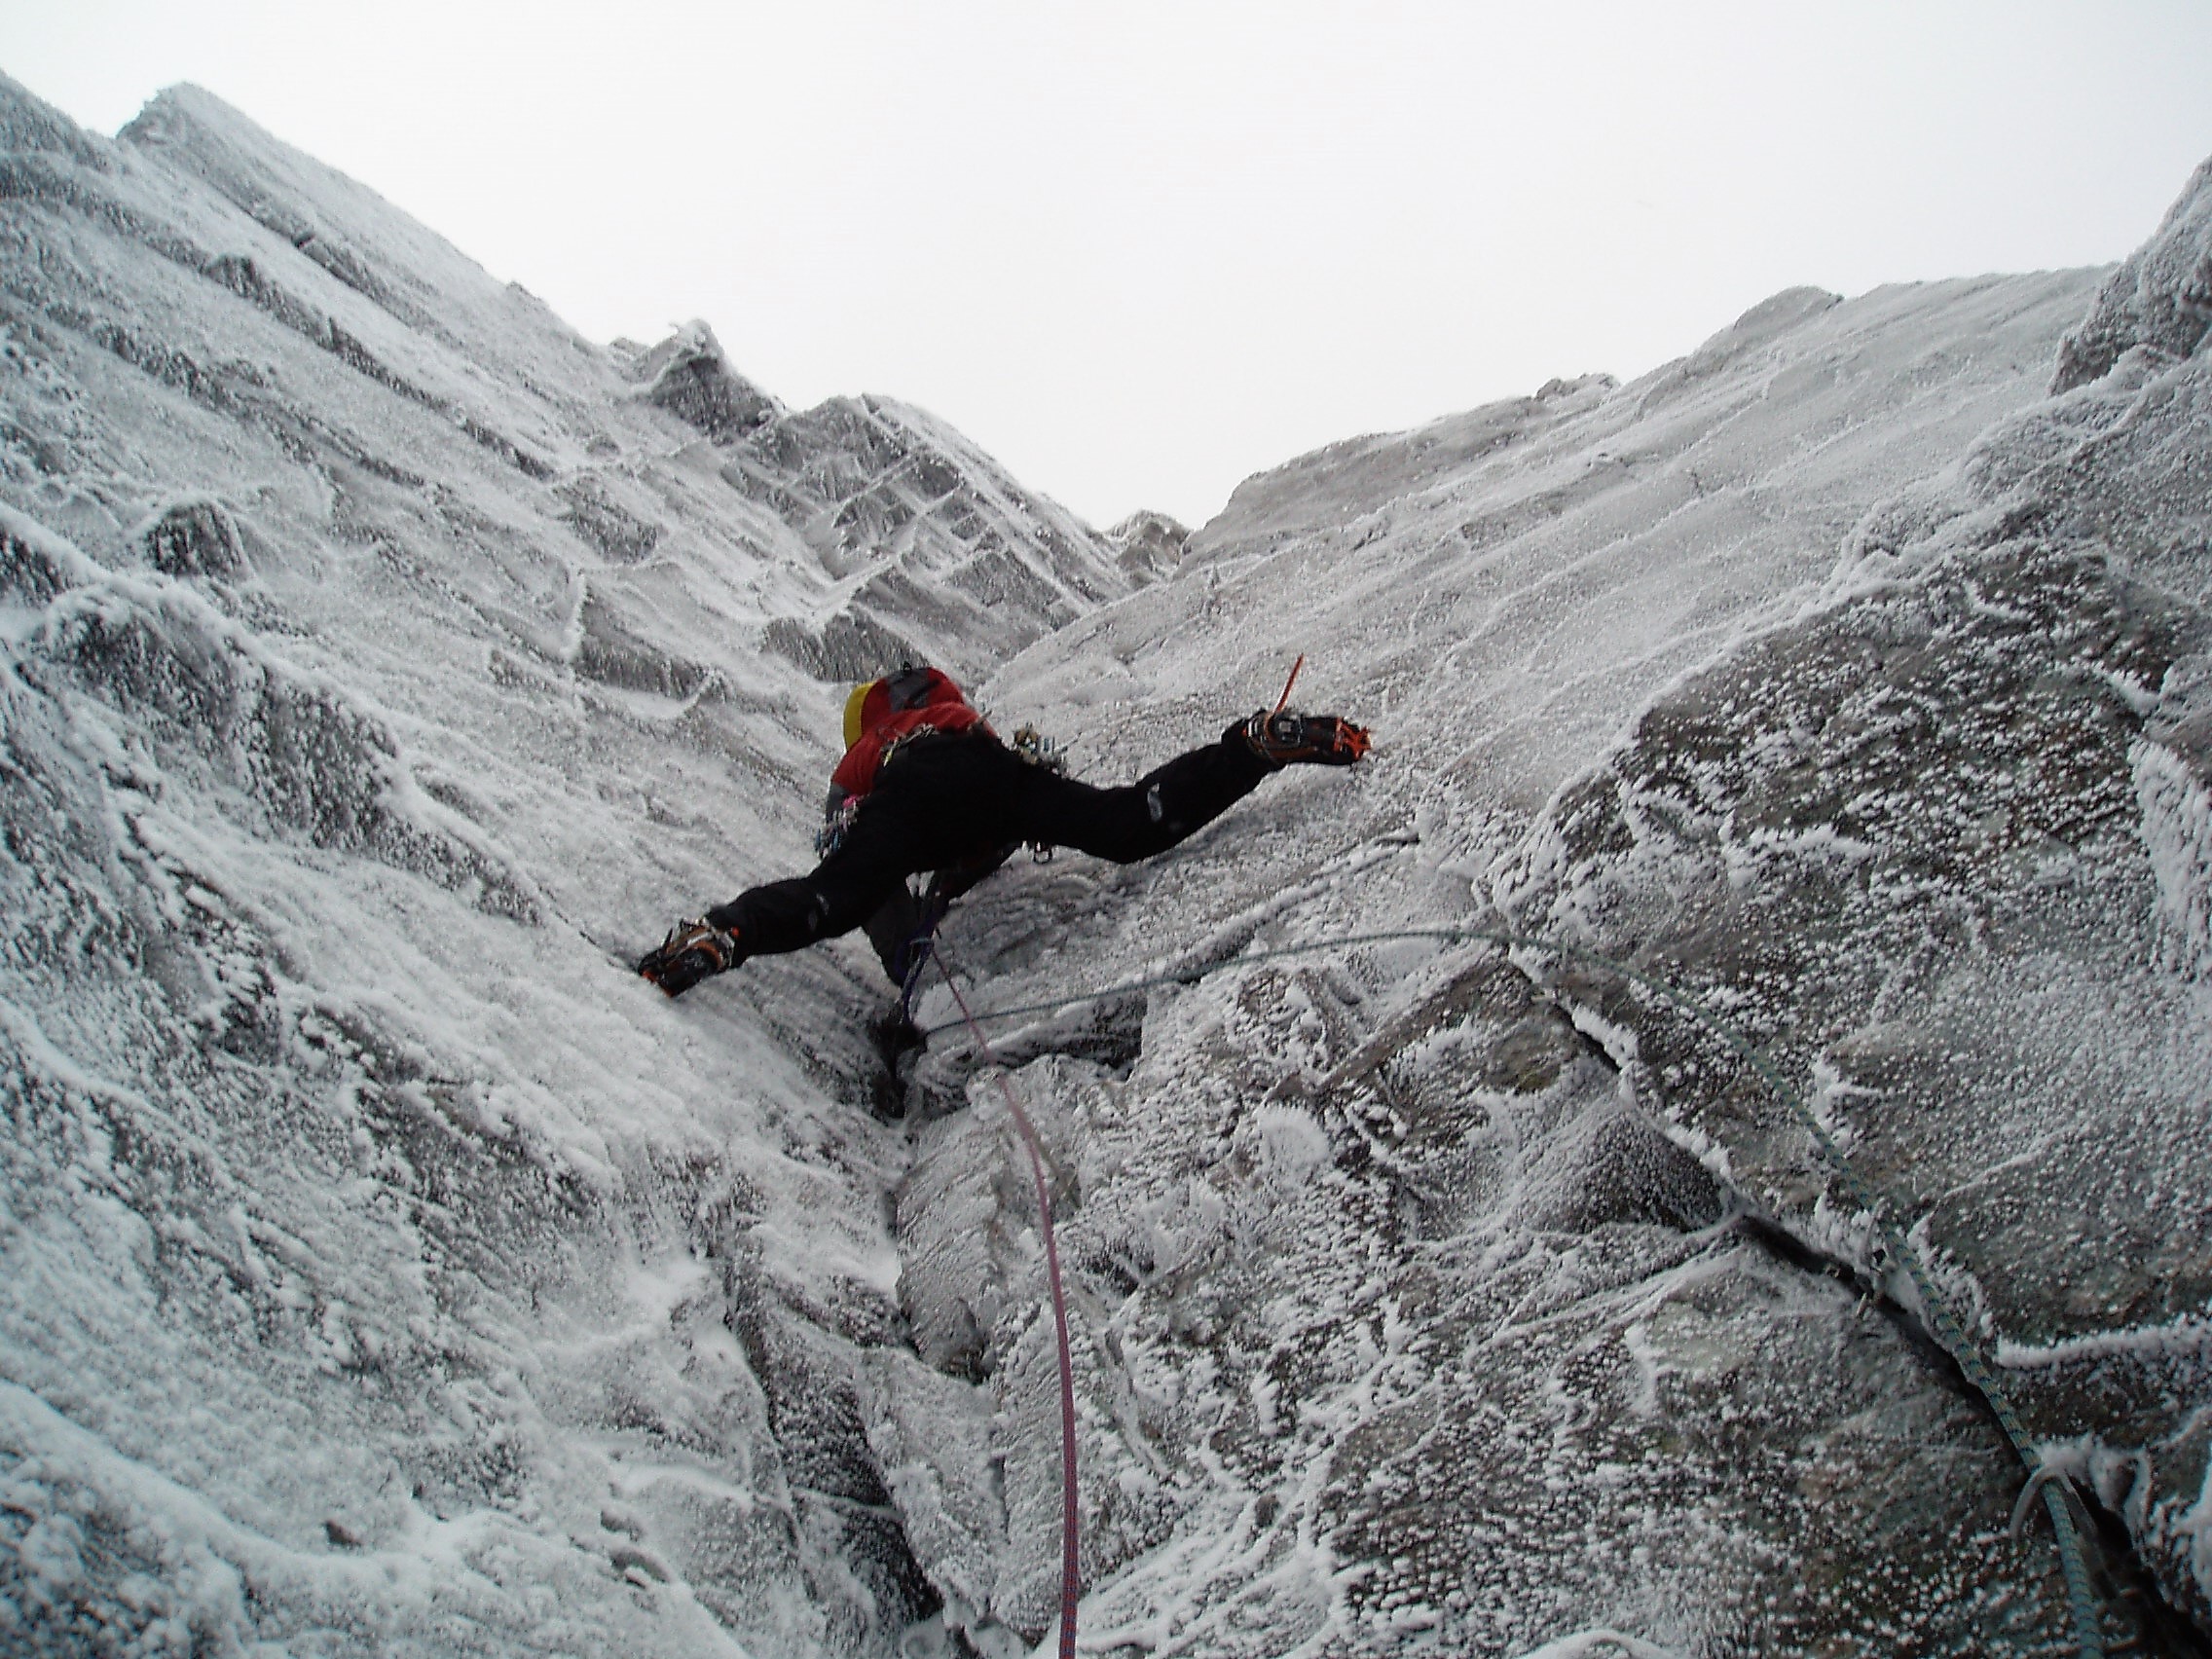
(383, 1261)
(1151, 544)
(1572, 1344)
(687, 376)
(2159, 301)
(380, 669)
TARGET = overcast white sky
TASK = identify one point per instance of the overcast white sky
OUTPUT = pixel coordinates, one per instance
(1141, 250)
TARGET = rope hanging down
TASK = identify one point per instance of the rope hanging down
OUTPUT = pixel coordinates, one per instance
(2057, 1493)
(1071, 1587)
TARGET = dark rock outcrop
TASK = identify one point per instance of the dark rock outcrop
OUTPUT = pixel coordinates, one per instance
(687, 375)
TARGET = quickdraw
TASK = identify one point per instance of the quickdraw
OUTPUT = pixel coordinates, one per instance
(839, 819)
(1034, 746)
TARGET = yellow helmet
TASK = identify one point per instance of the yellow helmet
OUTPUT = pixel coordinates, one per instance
(852, 705)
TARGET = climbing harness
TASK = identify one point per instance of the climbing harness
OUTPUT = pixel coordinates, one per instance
(2056, 1487)
(915, 954)
(889, 750)
(1071, 1585)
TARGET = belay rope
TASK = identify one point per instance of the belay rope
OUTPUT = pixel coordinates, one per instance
(2058, 1496)
(1071, 1584)
(923, 949)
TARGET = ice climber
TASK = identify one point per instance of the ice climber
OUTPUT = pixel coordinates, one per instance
(926, 785)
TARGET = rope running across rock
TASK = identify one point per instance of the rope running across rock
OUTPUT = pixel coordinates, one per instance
(1071, 1585)
(2056, 1491)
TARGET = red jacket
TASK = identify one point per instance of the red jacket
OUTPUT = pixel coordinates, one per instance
(901, 705)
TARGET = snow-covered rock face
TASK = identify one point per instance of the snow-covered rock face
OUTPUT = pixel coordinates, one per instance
(2158, 301)
(381, 1266)
(1831, 675)
(1942, 840)
(1152, 545)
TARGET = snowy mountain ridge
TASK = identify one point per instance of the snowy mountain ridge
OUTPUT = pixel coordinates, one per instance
(387, 1270)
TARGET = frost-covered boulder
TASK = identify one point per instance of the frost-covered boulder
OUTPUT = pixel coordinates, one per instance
(1941, 845)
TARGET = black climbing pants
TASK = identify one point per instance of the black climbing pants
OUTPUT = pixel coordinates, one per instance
(939, 801)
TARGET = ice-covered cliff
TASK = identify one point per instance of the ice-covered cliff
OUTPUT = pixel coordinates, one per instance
(383, 1265)
(1834, 676)
(383, 1268)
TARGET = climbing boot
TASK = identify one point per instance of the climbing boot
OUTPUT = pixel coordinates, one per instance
(692, 951)
(1288, 738)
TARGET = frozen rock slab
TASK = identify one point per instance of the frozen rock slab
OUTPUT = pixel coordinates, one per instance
(1399, 1321)
(974, 1290)
(1495, 1367)
(381, 675)
(1939, 845)
(932, 1437)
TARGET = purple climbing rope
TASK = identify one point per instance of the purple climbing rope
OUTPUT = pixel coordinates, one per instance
(1071, 1586)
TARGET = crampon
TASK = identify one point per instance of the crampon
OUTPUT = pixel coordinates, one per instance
(693, 951)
